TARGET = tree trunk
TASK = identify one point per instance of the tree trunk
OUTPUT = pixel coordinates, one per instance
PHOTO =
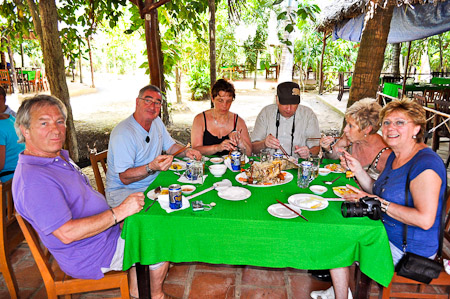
(324, 44)
(212, 43)
(371, 54)
(178, 84)
(13, 68)
(90, 61)
(396, 49)
(287, 54)
(80, 60)
(54, 63)
(256, 71)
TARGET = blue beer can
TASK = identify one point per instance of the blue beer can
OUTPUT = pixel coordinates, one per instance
(175, 196)
(235, 161)
(188, 169)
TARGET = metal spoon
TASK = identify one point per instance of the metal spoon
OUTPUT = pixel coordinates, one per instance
(331, 182)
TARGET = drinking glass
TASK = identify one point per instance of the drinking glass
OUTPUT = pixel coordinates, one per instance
(264, 155)
(242, 150)
(304, 174)
(196, 171)
(315, 160)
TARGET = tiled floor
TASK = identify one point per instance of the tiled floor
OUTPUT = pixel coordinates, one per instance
(189, 280)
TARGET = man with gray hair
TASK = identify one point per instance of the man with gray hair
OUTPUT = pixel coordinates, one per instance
(3, 107)
(72, 219)
(135, 147)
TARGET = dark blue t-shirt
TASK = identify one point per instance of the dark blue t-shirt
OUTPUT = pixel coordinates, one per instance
(391, 186)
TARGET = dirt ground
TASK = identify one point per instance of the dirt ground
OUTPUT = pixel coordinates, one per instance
(97, 111)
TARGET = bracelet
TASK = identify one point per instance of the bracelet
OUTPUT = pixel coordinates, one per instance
(114, 215)
(384, 205)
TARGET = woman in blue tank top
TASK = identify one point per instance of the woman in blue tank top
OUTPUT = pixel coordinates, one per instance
(403, 127)
(218, 131)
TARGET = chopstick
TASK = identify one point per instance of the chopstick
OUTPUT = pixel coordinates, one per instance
(182, 149)
(286, 206)
(155, 200)
(284, 151)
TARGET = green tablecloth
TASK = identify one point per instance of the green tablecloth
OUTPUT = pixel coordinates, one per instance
(440, 80)
(244, 233)
(31, 74)
(392, 88)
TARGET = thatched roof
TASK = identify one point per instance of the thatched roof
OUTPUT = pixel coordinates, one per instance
(348, 9)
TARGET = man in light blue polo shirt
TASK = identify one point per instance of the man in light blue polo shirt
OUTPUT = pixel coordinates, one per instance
(135, 147)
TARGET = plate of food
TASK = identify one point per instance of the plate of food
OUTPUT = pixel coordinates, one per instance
(283, 178)
(264, 174)
(280, 211)
(342, 190)
(308, 202)
(336, 168)
(178, 166)
(152, 195)
(234, 193)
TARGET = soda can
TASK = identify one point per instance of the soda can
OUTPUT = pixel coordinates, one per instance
(304, 174)
(175, 196)
(235, 161)
(188, 169)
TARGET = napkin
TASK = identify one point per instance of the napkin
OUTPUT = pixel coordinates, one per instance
(164, 203)
(184, 179)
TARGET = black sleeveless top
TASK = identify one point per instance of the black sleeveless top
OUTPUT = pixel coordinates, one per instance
(210, 139)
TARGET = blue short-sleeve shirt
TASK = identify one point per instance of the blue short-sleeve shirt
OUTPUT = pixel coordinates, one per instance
(391, 187)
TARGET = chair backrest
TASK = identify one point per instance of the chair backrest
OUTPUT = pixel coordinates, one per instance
(95, 158)
(38, 251)
(4, 77)
(442, 106)
(7, 205)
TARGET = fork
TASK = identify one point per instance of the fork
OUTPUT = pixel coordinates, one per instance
(157, 191)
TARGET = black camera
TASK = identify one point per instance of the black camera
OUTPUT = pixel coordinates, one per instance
(367, 206)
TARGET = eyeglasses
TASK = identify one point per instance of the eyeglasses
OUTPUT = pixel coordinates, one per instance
(398, 123)
(149, 102)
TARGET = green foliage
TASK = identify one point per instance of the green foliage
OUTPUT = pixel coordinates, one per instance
(199, 82)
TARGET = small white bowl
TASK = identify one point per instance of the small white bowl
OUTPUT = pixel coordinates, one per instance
(317, 189)
(187, 189)
(218, 170)
(216, 160)
(324, 171)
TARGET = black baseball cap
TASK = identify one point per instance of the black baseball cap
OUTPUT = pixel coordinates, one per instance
(288, 93)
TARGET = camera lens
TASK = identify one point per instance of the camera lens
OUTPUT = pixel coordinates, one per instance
(352, 209)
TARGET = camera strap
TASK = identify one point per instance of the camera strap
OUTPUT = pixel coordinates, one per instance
(441, 227)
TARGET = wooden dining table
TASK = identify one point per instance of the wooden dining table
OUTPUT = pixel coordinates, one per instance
(244, 233)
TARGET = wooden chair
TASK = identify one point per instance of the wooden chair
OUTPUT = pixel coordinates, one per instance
(442, 131)
(5, 80)
(11, 237)
(95, 158)
(35, 82)
(57, 283)
(417, 289)
(22, 81)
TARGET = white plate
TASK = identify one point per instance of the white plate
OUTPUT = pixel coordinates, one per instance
(287, 178)
(182, 164)
(340, 169)
(280, 211)
(307, 201)
(337, 193)
(234, 193)
(216, 160)
(151, 194)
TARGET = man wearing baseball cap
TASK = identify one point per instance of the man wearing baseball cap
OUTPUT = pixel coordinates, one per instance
(287, 124)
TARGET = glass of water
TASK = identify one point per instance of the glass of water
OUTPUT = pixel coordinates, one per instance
(315, 160)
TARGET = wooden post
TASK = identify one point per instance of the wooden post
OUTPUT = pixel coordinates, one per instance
(152, 51)
(321, 63)
(212, 43)
(406, 70)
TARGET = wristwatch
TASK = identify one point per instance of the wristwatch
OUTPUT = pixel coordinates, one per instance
(149, 171)
(384, 205)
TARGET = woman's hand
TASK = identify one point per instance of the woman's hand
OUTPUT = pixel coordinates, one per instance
(350, 162)
(356, 195)
(193, 154)
(326, 142)
(235, 137)
(227, 145)
(302, 151)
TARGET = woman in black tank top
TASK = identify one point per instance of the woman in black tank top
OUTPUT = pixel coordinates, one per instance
(218, 131)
